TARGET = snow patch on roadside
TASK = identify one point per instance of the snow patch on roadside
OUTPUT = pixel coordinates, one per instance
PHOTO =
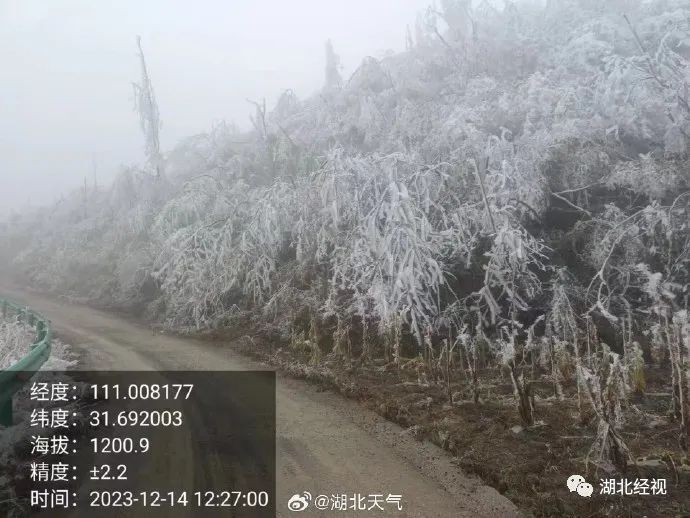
(15, 342)
(62, 357)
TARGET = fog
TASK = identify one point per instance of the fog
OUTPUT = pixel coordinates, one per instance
(483, 237)
(66, 93)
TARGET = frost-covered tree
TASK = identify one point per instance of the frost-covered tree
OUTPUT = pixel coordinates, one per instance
(333, 77)
(146, 106)
(510, 191)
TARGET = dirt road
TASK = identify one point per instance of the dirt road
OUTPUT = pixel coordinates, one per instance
(326, 444)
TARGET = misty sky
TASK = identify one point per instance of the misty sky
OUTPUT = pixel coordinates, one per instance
(67, 68)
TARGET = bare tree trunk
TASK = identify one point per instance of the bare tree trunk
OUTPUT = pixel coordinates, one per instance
(523, 394)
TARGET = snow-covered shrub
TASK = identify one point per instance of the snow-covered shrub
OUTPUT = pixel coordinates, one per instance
(517, 177)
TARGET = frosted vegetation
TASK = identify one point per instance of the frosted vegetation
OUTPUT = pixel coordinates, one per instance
(15, 341)
(512, 190)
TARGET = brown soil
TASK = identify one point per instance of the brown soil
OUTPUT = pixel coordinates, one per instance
(529, 466)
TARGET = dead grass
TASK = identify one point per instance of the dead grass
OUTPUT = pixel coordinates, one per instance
(528, 465)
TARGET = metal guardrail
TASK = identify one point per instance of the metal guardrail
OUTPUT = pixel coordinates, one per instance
(15, 376)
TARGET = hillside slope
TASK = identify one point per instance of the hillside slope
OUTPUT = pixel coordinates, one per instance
(510, 197)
